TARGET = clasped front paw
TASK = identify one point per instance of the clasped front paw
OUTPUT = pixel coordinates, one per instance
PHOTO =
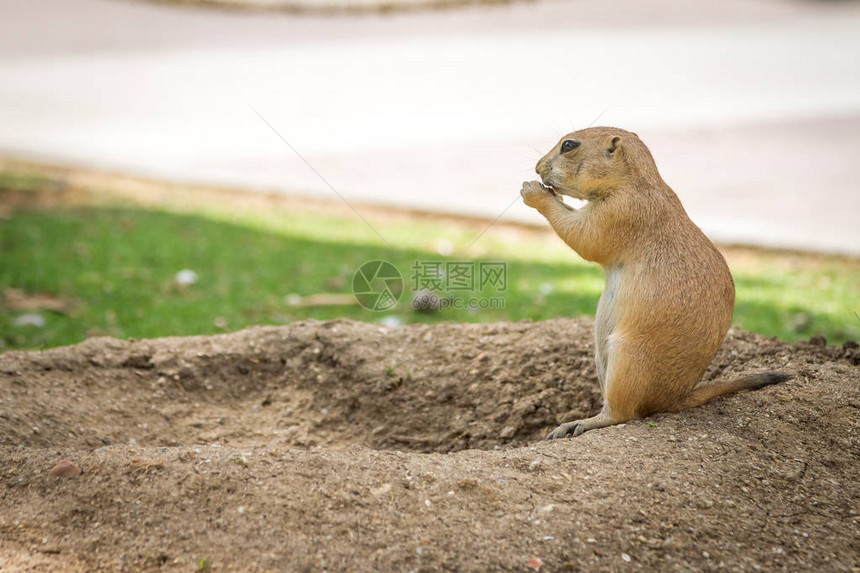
(535, 195)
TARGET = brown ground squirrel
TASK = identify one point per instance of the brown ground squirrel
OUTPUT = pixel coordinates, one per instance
(669, 295)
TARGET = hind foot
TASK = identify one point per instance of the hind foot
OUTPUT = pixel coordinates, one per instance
(577, 427)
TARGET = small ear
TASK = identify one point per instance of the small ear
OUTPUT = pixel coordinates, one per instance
(614, 145)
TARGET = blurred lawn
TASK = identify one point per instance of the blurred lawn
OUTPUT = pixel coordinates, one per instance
(106, 254)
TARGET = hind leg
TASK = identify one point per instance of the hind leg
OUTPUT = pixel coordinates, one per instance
(625, 390)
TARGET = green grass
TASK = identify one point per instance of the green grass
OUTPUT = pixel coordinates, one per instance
(115, 266)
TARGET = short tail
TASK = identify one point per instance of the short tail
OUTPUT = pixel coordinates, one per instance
(704, 394)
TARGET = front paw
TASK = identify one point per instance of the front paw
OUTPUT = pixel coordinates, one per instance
(536, 195)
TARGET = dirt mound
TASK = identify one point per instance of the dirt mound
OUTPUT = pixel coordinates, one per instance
(344, 446)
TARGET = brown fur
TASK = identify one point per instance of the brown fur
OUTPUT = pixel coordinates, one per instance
(669, 294)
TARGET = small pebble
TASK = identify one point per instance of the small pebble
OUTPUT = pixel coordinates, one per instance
(391, 322)
(65, 468)
(186, 277)
(381, 490)
(426, 300)
(36, 320)
(818, 340)
(444, 247)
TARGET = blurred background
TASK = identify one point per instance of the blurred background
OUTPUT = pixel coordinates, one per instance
(270, 147)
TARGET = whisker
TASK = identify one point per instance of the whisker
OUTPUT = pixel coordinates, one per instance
(600, 115)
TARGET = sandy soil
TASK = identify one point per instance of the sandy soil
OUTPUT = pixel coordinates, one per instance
(343, 446)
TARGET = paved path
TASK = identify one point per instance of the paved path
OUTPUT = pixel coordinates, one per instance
(751, 108)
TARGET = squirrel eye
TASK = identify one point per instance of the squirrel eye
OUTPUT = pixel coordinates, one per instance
(568, 145)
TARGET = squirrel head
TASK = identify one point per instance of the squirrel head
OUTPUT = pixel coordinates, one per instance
(593, 163)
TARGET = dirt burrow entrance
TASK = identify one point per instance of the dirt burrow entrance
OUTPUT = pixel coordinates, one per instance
(427, 389)
(340, 446)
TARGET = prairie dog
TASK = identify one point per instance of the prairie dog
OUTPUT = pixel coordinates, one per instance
(669, 295)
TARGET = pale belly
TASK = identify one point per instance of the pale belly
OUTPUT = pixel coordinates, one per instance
(605, 322)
